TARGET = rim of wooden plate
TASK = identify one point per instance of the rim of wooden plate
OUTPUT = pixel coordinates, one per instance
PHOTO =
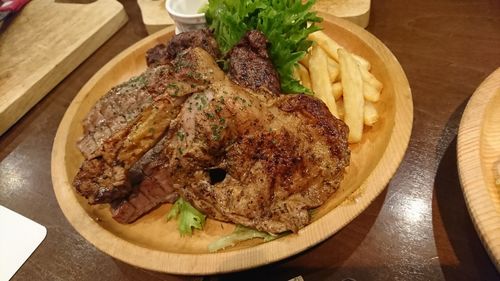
(475, 179)
(221, 262)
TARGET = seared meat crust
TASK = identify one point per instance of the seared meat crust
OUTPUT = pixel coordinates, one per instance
(277, 156)
(203, 38)
(149, 193)
(103, 177)
(115, 110)
(282, 156)
(250, 65)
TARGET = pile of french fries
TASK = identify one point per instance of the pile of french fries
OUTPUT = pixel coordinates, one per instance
(343, 81)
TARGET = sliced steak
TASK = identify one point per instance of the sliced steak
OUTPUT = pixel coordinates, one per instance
(116, 109)
(148, 196)
(156, 191)
(104, 177)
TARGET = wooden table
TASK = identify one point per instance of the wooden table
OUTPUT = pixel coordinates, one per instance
(417, 229)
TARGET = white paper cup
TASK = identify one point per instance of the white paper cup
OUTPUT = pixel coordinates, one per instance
(185, 14)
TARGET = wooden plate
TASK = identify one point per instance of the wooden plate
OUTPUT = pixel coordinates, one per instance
(155, 244)
(478, 148)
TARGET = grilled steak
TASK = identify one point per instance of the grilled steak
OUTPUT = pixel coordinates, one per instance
(144, 199)
(276, 158)
(249, 62)
(103, 177)
(115, 110)
(162, 54)
(239, 152)
(281, 156)
(150, 191)
(250, 65)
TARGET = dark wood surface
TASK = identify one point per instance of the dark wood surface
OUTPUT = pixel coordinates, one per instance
(417, 229)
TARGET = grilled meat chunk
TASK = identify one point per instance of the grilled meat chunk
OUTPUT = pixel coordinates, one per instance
(115, 110)
(239, 152)
(249, 61)
(149, 193)
(203, 38)
(281, 156)
(104, 177)
(250, 65)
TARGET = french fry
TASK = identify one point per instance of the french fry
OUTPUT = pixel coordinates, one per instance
(296, 73)
(363, 64)
(320, 79)
(340, 108)
(305, 60)
(353, 87)
(332, 62)
(337, 90)
(304, 76)
(331, 46)
(333, 70)
(370, 78)
(370, 93)
(370, 114)
(352, 84)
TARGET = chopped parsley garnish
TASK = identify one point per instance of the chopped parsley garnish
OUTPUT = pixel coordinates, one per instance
(210, 115)
(180, 135)
(139, 81)
(181, 151)
(216, 131)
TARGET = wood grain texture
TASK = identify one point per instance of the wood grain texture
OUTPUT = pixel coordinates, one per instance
(44, 43)
(155, 244)
(356, 11)
(156, 17)
(417, 229)
(478, 148)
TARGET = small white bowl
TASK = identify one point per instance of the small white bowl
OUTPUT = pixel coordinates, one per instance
(185, 14)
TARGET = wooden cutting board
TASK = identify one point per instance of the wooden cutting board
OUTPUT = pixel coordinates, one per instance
(356, 11)
(155, 16)
(44, 43)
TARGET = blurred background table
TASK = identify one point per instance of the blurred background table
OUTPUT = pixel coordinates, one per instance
(417, 229)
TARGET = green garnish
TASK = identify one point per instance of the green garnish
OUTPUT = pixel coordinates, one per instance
(203, 9)
(188, 217)
(180, 135)
(240, 233)
(283, 22)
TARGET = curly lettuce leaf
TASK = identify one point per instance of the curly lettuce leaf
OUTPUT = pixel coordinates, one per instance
(286, 24)
(188, 217)
(240, 233)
